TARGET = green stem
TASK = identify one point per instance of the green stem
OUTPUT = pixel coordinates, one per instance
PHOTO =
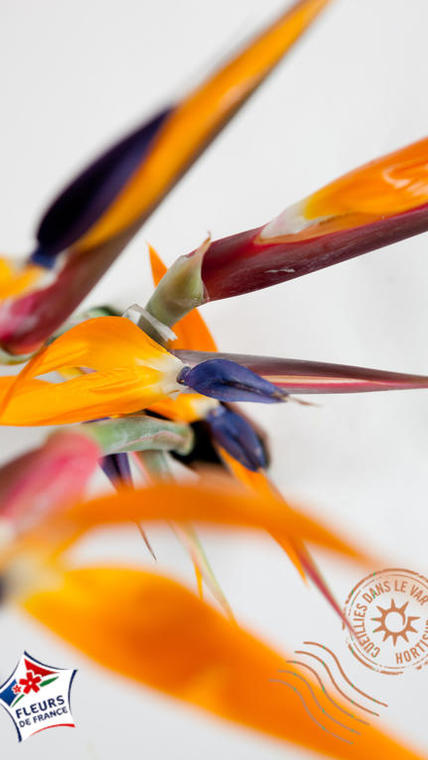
(139, 433)
(180, 290)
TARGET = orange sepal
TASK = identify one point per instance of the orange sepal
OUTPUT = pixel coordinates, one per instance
(128, 371)
(388, 185)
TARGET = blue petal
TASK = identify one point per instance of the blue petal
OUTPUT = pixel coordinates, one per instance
(235, 434)
(228, 381)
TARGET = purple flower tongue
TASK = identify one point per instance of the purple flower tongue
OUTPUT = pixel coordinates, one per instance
(227, 381)
(235, 434)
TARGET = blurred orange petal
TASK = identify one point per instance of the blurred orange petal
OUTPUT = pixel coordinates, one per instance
(212, 500)
(154, 631)
(198, 118)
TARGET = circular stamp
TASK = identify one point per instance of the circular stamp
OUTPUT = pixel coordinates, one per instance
(388, 612)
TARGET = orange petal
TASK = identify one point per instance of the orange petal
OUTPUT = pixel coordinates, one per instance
(172, 641)
(104, 343)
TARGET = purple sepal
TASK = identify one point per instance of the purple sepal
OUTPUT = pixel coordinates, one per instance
(227, 381)
(83, 201)
(235, 434)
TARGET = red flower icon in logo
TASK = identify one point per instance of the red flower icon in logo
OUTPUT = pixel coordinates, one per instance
(30, 682)
(16, 689)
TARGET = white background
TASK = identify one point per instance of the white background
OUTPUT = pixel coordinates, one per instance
(77, 74)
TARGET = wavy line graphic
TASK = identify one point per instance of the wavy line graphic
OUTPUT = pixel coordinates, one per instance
(302, 699)
(324, 664)
(320, 707)
(348, 681)
(326, 694)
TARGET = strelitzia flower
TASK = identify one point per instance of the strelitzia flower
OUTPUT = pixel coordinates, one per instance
(165, 637)
(101, 210)
(126, 371)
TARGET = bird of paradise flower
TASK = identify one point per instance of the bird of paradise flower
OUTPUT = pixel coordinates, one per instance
(115, 367)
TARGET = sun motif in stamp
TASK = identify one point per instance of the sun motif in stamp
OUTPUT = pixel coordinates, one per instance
(388, 612)
(394, 622)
